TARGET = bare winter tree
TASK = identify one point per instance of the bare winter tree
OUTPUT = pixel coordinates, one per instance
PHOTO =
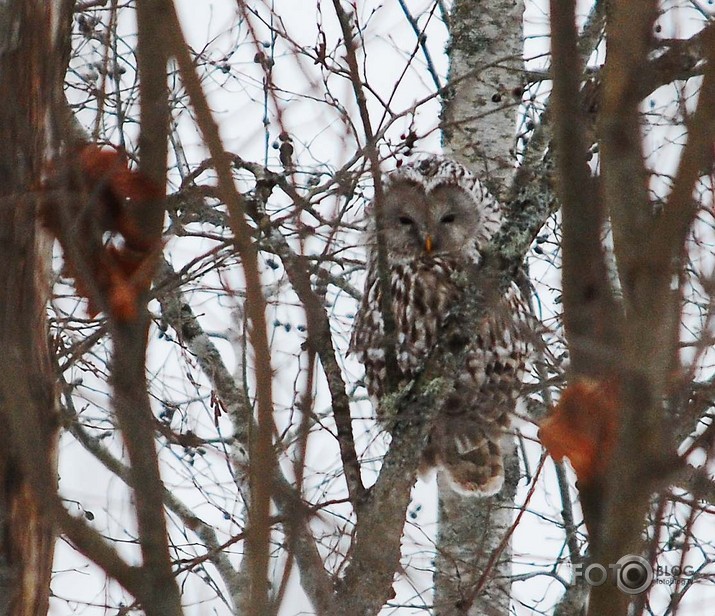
(180, 360)
(31, 32)
(625, 332)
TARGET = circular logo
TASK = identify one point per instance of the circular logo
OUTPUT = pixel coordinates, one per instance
(634, 574)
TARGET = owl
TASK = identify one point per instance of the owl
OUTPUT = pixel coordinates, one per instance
(437, 218)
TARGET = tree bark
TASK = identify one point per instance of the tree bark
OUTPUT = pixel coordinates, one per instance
(485, 79)
(128, 373)
(485, 83)
(34, 39)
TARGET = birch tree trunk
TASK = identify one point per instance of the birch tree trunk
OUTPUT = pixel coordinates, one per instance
(485, 84)
(486, 60)
(32, 63)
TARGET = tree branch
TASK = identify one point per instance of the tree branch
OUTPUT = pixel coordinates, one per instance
(383, 271)
(590, 312)
(178, 314)
(93, 546)
(262, 458)
(696, 159)
(204, 531)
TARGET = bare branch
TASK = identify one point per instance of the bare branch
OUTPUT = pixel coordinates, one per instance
(696, 160)
(383, 272)
(262, 459)
(314, 579)
(590, 313)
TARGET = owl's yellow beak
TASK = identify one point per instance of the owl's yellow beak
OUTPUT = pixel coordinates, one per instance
(428, 244)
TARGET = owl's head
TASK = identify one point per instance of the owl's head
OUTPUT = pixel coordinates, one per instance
(436, 207)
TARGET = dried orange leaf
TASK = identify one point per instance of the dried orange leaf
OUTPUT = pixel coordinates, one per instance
(90, 195)
(582, 427)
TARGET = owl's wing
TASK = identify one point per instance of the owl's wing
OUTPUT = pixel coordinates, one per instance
(469, 439)
(367, 339)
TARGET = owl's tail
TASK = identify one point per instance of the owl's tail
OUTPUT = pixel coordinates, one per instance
(476, 470)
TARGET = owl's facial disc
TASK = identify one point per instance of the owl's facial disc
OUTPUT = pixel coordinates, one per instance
(416, 237)
(440, 221)
(453, 220)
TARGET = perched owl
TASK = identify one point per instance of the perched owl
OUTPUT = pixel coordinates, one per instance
(437, 218)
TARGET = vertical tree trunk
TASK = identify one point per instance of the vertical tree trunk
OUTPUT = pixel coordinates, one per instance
(486, 80)
(32, 61)
(479, 119)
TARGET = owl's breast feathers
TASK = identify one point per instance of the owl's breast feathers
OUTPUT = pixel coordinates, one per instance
(473, 418)
(423, 293)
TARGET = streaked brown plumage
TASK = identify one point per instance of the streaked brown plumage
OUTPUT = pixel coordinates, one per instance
(438, 217)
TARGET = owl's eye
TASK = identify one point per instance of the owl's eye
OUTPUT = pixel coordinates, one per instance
(449, 218)
(406, 220)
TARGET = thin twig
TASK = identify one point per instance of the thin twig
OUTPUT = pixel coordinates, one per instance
(262, 458)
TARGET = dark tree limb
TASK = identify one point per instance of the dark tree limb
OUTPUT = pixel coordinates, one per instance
(590, 312)
(320, 339)
(648, 261)
(592, 318)
(262, 456)
(95, 547)
(34, 48)
(128, 374)
(372, 155)
(696, 160)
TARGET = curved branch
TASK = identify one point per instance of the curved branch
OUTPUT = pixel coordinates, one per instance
(315, 580)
